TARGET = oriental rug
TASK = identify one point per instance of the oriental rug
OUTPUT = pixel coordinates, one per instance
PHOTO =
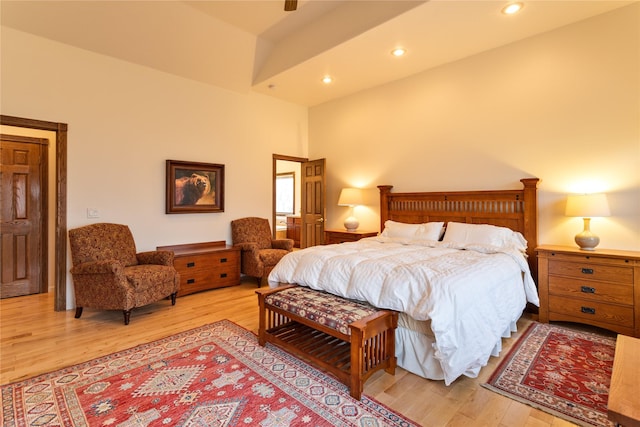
(214, 375)
(561, 371)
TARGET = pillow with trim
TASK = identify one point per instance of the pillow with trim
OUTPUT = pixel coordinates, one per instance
(430, 231)
(484, 234)
(393, 229)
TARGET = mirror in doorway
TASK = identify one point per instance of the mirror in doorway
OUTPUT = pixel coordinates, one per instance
(285, 193)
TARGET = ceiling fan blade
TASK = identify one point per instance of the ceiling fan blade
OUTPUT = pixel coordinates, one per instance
(290, 5)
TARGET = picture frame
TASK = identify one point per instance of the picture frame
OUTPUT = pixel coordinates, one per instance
(194, 187)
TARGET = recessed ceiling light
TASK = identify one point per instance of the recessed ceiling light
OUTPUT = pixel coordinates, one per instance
(512, 8)
(399, 51)
(327, 79)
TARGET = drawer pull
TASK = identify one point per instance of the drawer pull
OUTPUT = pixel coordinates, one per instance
(191, 281)
(587, 271)
(223, 275)
(191, 264)
(587, 290)
(223, 260)
(588, 310)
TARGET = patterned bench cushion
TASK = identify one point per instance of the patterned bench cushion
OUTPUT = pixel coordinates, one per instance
(321, 307)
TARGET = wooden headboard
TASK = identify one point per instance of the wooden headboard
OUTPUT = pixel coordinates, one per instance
(515, 209)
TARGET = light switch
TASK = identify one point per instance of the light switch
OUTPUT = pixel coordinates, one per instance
(93, 213)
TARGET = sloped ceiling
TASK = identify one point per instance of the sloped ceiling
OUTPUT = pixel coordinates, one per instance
(256, 46)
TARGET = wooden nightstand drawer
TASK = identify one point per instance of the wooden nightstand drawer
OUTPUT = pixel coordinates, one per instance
(592, 271)
(591, 290)
(342, 236)
(592, 311)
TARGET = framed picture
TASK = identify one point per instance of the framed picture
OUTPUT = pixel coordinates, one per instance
(194, 187)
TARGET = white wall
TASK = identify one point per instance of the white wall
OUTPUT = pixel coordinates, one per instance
(562, 106)
(126, 120)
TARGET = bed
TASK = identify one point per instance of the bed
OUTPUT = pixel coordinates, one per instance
(459, 267)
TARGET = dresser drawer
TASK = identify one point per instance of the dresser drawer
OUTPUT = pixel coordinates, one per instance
(205, 261)
(591, 290)
(226, 276)
(226, 260)
(592, 311)
(193, 280)
(590, 271)
(200, 279)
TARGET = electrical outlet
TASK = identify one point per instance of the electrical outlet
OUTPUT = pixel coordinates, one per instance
(93, 213)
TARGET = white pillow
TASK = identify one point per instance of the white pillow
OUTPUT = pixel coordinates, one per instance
(484, 234)
(430, 231)
(400, 230)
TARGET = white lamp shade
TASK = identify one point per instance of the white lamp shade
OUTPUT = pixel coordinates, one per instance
(350, 197)
(587, 205)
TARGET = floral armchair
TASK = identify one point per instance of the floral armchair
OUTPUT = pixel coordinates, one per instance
(108, 274)
(260, 252)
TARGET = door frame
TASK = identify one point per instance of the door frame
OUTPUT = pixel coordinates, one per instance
(60, 129)
(275, 159)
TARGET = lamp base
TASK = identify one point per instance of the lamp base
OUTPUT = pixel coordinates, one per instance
(351, 223)
(587, 241)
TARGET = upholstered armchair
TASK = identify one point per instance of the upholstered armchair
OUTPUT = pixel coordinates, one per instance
(260, 252)
(108, 274)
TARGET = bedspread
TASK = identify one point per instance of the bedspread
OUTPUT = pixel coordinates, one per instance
(470, 293)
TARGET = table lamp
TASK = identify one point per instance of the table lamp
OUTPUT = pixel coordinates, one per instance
(350, 197)
(587, 206)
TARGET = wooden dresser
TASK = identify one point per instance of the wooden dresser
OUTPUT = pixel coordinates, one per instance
(205, 265)
(599, 288)
(294, 228)
(341, 236)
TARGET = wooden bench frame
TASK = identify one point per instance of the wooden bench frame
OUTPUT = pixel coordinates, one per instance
(351, 358)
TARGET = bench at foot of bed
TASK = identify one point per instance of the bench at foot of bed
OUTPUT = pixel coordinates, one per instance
(349, 339)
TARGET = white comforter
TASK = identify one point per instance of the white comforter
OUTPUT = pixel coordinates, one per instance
(468, 292)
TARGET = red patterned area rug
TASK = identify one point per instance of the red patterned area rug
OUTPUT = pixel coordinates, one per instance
(215, 375)
(560, 371)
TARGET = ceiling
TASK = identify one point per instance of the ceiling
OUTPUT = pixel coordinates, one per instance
(244, 45)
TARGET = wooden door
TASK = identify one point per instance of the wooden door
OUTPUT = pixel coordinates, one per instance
(313, 203)
(23, 230)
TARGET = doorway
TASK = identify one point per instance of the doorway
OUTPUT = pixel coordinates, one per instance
(57, 216)
(24, 182)
(305, 180)
(287, 199)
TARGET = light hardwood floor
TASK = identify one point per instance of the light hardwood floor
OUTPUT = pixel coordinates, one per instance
(35, 339)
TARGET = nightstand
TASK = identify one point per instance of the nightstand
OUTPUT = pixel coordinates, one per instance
(341, 236)
(599, 288)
